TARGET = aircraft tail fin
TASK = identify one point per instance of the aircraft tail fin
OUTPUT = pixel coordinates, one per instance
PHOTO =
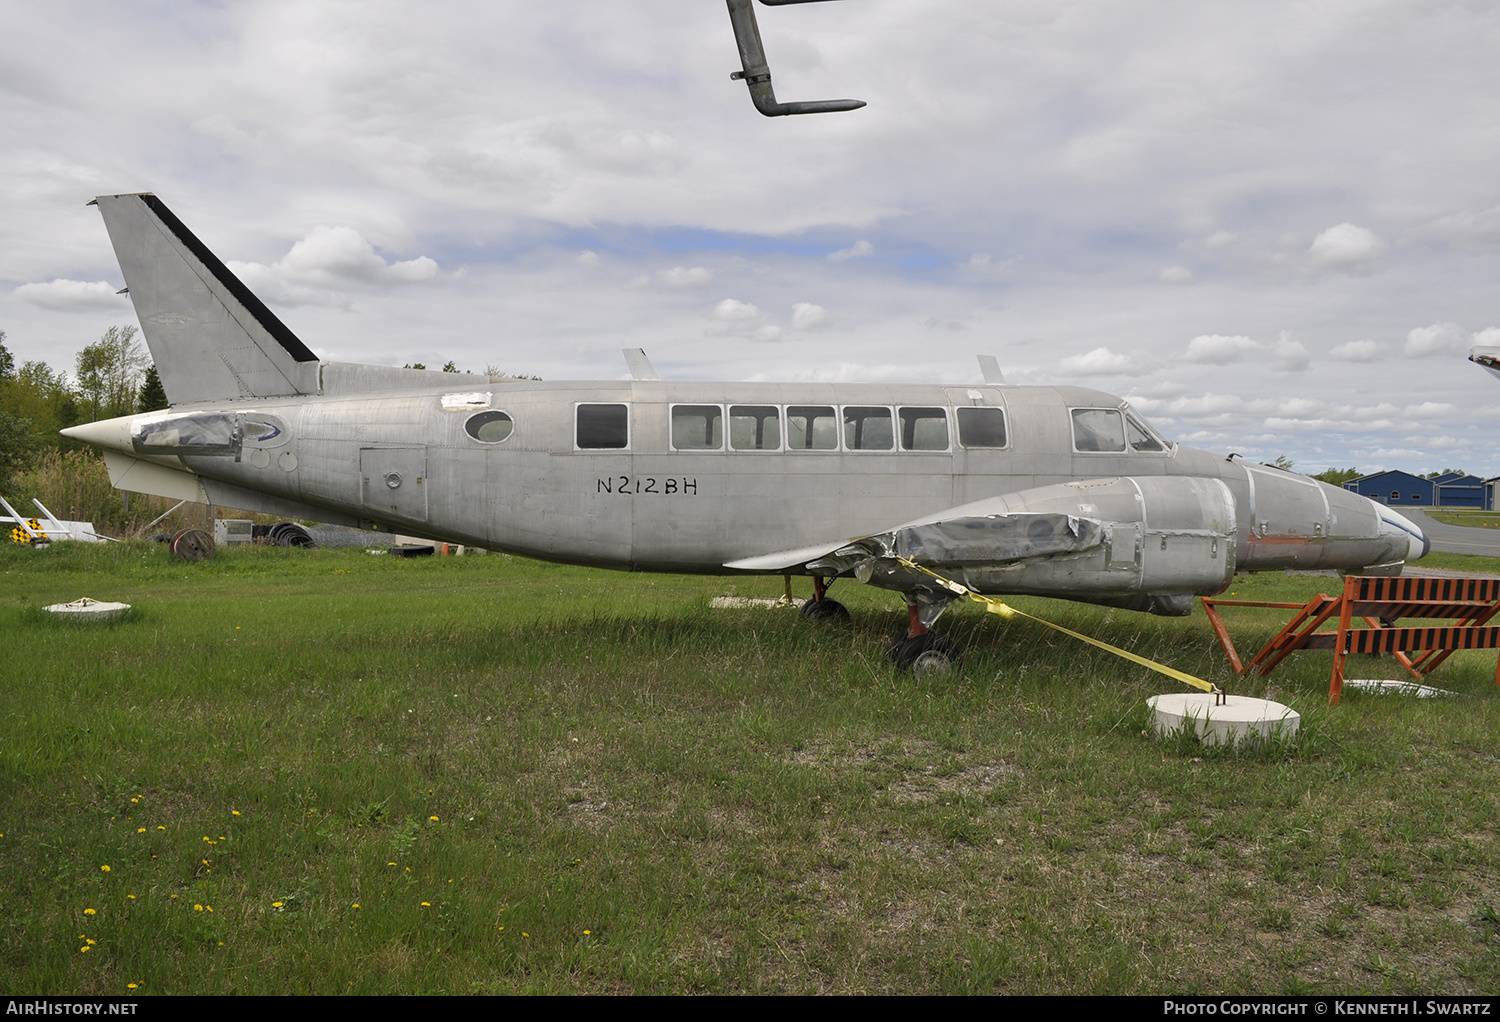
(210, 337)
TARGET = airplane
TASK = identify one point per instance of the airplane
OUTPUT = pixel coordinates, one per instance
(1487, 356)
(1050, 491)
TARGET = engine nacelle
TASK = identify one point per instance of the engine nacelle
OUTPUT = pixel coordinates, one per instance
(1143, 543)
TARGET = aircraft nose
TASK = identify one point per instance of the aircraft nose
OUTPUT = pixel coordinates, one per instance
(1398, 526)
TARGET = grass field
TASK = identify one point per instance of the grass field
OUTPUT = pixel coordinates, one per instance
(324, 772)
(1456, 516)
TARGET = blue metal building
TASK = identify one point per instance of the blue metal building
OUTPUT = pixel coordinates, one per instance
(1455, 490)
(1395, 488)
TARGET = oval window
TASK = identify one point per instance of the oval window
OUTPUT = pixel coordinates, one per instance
(489, 427)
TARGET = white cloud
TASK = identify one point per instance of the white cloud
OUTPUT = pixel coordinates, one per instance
(679, 276)
(323, 267)
(859, 250)
(588, 257)
(1427, 410)
(1438, 443)
(1438, 339)
(1099, 362)
(1218, 349)
(731, 310)
(1345, 247)
(73, 296)
(807, 316)
(1218, 239)
(1289, 356)
(1356, 351)
(1176, 275)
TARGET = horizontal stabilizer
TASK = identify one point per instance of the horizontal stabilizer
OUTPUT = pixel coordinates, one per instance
(210, 337)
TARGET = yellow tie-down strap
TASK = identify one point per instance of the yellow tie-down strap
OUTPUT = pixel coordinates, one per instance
(1003, 610)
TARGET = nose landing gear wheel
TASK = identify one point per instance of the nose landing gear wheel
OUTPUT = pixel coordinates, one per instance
(925, 655)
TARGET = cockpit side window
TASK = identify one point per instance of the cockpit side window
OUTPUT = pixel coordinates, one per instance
(981, 427)
(1098, 431)
(603, 427)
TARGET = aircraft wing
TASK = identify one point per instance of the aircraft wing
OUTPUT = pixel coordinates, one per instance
(1148, 543)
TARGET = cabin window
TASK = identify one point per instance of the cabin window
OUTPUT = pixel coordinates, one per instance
(1098, 430)
(981, 427)
(1395, 494)
(697, 427)
(1141, 437)
(868, 429)
(811, 428)
(489, 427)
(754, 428)
(924, 429)
(603, 427)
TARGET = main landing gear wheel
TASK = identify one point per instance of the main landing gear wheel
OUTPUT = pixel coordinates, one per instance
(925, 655)
(825, 610)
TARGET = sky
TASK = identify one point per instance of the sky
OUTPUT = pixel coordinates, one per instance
(1274, 228)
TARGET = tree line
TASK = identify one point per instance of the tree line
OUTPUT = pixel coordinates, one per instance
(113, 376)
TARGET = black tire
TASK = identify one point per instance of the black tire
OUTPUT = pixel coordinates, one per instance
(926, 654)
(825, 610)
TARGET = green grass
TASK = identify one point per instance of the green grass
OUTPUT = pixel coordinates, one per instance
(1457, 516)
(635, 793)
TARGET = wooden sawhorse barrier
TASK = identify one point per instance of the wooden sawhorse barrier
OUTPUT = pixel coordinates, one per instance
(1380, 602)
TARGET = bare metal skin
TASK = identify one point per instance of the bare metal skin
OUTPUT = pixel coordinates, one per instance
(1073, 496)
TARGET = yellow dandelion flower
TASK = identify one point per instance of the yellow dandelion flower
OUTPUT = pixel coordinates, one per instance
(135, 800)
(276, 904)
(208, 908)
(131, 986)
(161, 828)
(234, 812)
(588, 933)
(142, 830)
(174, 897)
(356, 904)
(89, 912)
(87, 941)
(390, 864)
(197, 908)
(84, 948)
(104, 869)
(502, 927)
(525, 934)
(130, 896)
(434, 819)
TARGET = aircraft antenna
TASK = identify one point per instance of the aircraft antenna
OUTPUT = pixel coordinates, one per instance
(757, 74)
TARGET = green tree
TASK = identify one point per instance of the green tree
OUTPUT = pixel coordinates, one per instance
(17, 446)
(153, 396)
(1283, 462)
(7, 360)
(109, 373)
(1338, 476)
